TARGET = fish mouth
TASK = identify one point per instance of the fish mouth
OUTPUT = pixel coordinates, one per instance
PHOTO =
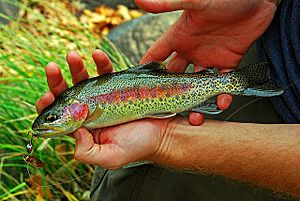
(48, 132)
(45, 132)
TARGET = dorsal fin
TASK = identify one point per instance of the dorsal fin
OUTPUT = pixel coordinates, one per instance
(149, 67)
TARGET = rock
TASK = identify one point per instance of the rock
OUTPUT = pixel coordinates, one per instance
(92, 4)
(135, 37)
(8, 10)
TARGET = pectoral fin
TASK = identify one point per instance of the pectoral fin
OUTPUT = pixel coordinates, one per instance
(209, 107)
(95, 114)
(161, 116)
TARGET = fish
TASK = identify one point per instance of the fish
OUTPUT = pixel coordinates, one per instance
(147, 91)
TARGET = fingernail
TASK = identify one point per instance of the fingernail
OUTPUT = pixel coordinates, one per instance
(77, 135)
(98, 51)
(72, 54)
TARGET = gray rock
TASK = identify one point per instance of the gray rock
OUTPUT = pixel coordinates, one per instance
(8, 10)
(92, 4)
(135, 37)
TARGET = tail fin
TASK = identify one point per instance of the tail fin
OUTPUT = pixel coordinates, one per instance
(258, 76)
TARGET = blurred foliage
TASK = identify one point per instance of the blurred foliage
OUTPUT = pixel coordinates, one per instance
(44, 31)
(105, 18)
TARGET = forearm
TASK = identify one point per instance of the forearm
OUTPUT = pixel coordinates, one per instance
(267, 155)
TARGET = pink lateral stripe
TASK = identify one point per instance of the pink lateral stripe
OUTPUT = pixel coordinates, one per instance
(142, 93)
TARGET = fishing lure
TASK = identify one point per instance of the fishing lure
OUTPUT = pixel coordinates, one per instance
(28, 158)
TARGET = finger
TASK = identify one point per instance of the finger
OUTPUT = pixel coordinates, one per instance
(224, 101)
(103, 62)
(44, 102)
(160, 50)
(87, 151)
(177, 63)
(159, 6)
(55, 80)
(77, 69)
(196, 119)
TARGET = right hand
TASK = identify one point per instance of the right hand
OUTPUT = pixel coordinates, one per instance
(209, 33)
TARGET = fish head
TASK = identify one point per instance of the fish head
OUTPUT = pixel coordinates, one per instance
(60, 119)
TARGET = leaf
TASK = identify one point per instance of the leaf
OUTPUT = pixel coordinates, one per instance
(105, 18)
(36, 183)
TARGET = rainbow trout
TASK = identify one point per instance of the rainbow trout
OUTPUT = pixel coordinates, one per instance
(147, 91)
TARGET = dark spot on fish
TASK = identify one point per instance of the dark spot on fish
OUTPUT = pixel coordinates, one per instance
(167, 95)
(177, 97)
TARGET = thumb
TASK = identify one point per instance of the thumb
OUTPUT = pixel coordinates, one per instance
(160, 6)
(87, 151)
(85, 148)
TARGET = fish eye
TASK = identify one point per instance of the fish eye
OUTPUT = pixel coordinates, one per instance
(51, 117)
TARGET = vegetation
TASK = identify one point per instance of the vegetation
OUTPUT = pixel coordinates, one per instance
(44, 31)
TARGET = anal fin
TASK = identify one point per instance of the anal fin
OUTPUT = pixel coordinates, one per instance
(208, 107)
(161, 115)
(265, 90)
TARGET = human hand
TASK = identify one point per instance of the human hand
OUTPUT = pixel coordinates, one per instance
(56, 82)
(209, 33)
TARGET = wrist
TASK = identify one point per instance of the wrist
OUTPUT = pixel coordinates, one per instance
(174, 144)
(165, 142)
(192, 147)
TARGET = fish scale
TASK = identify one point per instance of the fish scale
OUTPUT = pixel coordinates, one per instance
(145, 91)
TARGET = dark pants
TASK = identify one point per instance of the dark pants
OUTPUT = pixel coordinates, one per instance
(154, 183)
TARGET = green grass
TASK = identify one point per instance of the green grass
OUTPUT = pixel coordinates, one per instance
(26, 46)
